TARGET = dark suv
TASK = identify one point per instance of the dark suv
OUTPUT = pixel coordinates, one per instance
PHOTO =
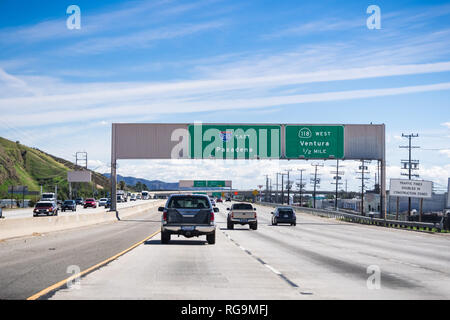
(284, 215)
(188, 215)
(69, 205)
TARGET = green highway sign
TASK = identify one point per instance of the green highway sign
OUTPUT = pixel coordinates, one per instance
(215, 184)
(209, 183)
(314, 142)
(235, 141)
(199, 183)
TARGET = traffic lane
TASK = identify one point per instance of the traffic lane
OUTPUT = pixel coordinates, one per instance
(412, 246)
(423, 256)
(28, 212)
(29, 265)
(334, 269)
(184, 269)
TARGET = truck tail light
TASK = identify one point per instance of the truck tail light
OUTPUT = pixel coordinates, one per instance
(165, 215)
(232, 215)
(212, 216)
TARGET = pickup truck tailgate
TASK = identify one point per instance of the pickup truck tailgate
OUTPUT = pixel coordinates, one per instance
(243, 214)
(189, 216)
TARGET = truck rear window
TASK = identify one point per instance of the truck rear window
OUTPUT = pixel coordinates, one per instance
(242, 206)
(188, 202)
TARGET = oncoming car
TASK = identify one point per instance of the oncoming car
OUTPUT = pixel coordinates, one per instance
(49, 208)
(69, 205)
(102, 202)
(189, 216)
(90, 203)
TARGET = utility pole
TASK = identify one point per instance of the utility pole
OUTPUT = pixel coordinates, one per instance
(410, 164)
(270, 189)
(267, 186)
(301, 185)
(337, 177)
(288, 186)
(282, 188)
(315, 181)
(278, 195)
(364, 170)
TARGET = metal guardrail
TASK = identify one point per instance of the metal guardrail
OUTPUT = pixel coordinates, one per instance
(364, 219)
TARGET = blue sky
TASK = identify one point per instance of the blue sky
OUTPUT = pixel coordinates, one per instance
(225, 61)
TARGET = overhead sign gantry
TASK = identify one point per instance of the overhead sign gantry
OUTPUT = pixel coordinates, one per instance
(249, 141)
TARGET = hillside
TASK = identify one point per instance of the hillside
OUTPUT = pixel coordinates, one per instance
(22, 165)
(151, 184)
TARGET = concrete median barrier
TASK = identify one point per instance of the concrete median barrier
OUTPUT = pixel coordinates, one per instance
(12, 228)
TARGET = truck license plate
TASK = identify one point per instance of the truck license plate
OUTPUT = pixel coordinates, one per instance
(187, 228)
(243, 220)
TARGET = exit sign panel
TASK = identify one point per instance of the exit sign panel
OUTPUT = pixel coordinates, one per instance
(314, 142)
(235, 141)
(199, 183)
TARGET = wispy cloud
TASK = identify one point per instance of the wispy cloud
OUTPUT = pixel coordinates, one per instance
(106, 93)
(115, 108)
(128, 16)
(314, 27)
(138, 39)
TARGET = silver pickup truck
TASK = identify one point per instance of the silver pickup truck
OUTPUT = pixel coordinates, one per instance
(242, 213)
(189, 216)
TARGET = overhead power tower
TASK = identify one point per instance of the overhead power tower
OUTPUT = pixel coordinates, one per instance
(410, 165)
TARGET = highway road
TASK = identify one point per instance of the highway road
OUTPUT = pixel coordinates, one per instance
(320, 258)
(30, 264)
(28, 212)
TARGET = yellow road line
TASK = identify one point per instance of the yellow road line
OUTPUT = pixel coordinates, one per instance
(98, 265)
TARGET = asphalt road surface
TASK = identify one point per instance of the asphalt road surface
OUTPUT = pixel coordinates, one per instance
(319, 258)
(31, 264)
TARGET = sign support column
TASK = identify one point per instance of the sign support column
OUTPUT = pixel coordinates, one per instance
(383, 177)
(114, 173)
